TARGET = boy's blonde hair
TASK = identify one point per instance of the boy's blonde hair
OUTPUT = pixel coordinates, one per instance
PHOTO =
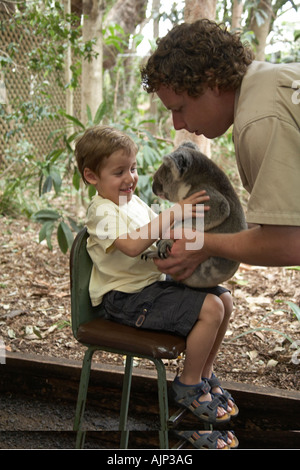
(98, 143)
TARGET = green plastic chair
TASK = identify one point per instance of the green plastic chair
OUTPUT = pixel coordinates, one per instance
(96, 333)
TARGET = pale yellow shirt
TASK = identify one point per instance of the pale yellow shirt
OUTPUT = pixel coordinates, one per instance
(267, 142)
(112, 269)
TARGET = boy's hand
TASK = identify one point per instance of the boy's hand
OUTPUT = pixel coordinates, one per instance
(189, 207)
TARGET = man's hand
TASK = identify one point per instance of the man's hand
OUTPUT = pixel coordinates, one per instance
(182, 262)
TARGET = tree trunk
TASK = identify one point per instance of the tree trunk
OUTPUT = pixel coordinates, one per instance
(127, 14)
(68, 71)
(260, 25)
(153, 103)
(237, 11)
(91, 87)
(195, 10)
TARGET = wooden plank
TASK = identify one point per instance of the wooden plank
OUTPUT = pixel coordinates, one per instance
(67, 368)
(265, 413)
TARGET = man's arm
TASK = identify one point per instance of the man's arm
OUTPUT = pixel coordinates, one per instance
(266, 245)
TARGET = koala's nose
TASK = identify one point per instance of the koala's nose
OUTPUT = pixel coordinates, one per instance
(156, 187)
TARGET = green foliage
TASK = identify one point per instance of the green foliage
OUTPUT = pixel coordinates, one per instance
(49, 218)
(17, 180)
(56, 32)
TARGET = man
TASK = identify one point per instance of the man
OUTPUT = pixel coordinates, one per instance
(208, 80)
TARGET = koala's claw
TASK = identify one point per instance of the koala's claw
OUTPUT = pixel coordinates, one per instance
(149, 255)
(164, 248)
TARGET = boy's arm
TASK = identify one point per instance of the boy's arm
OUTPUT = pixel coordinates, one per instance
(137, 241)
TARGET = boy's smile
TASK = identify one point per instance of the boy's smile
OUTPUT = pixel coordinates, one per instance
(117, 178)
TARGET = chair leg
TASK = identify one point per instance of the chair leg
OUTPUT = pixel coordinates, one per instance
(81, 399)
(163, 403)
(125, 402)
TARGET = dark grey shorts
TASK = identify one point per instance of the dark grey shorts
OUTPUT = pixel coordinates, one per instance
(165, 305)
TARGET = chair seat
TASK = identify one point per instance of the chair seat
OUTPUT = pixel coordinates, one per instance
(111, 335)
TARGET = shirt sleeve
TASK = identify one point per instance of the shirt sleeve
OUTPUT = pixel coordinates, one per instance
(270, 160)
(105, 224)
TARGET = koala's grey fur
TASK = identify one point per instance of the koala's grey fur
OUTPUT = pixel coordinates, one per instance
(184, 172)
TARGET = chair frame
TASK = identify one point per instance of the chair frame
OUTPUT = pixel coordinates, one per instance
(123, 420)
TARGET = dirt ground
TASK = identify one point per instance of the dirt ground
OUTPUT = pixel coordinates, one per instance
(35, 312)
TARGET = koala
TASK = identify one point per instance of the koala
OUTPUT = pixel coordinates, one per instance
(184, 172)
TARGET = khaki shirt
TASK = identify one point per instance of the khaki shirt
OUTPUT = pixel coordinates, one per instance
(267, 142)
(112, 269)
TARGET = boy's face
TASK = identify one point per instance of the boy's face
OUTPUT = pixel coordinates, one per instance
(118, 177)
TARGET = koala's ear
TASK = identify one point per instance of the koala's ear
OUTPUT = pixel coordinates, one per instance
(182, 159)
(170, 163)
(189, 144)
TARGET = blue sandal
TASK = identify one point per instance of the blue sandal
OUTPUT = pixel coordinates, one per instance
(224, 396)
(188, 397)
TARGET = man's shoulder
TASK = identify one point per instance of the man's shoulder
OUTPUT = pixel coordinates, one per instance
(260, 70)
(266, 92)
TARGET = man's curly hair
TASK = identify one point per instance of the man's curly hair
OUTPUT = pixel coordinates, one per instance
(195, 55)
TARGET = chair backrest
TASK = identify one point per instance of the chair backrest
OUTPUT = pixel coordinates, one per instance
(81, 264)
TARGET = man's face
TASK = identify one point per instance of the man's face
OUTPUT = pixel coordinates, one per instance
(210, 114)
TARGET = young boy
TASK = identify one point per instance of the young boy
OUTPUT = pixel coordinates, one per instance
(132, 291)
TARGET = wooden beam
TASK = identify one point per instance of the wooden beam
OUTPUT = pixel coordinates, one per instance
(268, 418)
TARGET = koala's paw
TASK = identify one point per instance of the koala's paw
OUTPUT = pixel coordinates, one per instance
(164, 248)
(149, 254)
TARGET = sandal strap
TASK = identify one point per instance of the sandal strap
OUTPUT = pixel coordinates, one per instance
(224, 396)
(207, 410)
(213, 381)
(186, 394)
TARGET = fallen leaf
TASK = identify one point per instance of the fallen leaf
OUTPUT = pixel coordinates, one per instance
(272, 363)
(252, 355)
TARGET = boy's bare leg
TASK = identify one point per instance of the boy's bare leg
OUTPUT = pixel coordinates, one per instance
(228, 306)
(201, 339)
(199, 343)
(208, 368)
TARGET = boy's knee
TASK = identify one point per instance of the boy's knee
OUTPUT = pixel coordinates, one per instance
(227, 301)
(212, 309)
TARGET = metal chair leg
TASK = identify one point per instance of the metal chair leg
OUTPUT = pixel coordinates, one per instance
(125, 402)
(82, 394)
(163, 403)
(123, 427)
